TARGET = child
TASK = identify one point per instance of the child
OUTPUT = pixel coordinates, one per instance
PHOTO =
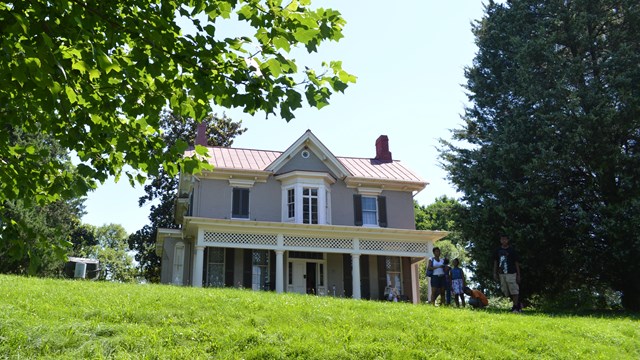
(447, 281)
(476, 298)
(458, 282)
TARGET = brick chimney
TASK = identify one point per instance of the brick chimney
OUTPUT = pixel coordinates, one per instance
(382, 149)
(201, 135)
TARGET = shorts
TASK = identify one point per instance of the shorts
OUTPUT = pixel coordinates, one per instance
(509, 285)
(437, 282)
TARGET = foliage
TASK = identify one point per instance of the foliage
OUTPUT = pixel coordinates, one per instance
(441, 215)
(111, 249)
(45, 318)
(94, 76)
(220, 131)
(550, 149)
(34, 237)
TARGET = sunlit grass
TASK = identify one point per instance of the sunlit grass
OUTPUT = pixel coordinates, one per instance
(45, 318)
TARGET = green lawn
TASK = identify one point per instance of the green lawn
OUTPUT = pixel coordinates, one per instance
(46, 318)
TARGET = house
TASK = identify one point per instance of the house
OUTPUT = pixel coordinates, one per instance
(302, 221)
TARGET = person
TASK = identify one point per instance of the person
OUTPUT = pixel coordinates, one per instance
(437, 279)
(476, 298)
(447, 282)
(391, 293)
(506, 269)
(458, 282)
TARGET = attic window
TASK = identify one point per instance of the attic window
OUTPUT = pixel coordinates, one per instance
(304, 154)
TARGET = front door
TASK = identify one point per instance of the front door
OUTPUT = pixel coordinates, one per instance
(304, 277)
(298, 276)
(311, 278)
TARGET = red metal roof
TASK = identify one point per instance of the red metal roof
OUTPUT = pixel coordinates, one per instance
(374, 169)
(250, 159)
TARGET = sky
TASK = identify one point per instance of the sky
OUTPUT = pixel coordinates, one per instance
(409, 58)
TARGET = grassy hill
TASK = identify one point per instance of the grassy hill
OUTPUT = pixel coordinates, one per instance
(46, 318)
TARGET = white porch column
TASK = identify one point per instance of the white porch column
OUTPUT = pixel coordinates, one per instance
(196, 280)
(415, 283)
(279, 271)
(355, 271)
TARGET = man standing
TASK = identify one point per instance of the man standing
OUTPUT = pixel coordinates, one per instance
(506, 268)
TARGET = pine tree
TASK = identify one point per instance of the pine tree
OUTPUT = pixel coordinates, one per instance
(549, 151)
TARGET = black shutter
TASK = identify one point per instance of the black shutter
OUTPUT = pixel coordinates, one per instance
(382, 276)
(244, 211)
(246, 267)
(407, 285)
(228, 267)
(365, 283)
(382, 211)
(272, 270)
(205, 267)
(346, 275)
(357, 210)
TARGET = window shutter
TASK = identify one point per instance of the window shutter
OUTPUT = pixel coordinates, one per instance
(272, 270)
(382, 211)
(228, 267)
(247, 267)
(357, 209)
(382, 276)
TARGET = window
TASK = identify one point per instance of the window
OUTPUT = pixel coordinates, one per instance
(215, 267)
(370, 210)
(291, 203)
(178, 264)
(240, 206)
(309, 206)
(394, 273)
(260, 270)
(306, 197)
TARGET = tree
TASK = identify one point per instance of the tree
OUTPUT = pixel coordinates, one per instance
(111, 250)
(95, 75)
(220, 131)
(550, 148)
(33, 237)
(441, 215)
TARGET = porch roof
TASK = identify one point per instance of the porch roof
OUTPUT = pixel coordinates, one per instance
(306, 237)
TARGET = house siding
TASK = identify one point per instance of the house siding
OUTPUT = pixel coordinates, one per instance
(298, 163)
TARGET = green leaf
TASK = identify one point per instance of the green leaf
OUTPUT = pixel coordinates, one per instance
(305, 35)
(281, 43)
(71, 94)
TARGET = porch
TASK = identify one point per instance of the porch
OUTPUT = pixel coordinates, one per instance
(294, 246)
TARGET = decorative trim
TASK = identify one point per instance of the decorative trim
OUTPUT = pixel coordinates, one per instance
(384, 184)
(367, 191)
(241, 183)
(310, 142)
(299, 177)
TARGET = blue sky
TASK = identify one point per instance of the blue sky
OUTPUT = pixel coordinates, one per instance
(409, 59)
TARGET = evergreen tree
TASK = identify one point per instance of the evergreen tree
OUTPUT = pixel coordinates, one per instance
(550, 149)
(220, 132)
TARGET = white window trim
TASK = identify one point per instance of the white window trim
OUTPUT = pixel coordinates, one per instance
(298, 180)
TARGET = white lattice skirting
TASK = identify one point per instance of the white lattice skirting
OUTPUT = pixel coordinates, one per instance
(328, 244)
